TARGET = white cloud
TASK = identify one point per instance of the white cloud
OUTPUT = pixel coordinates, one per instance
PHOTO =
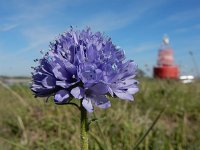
(111, 20)
(30, 22)
(179, 17)
(188, 28)
(7, 27)
(185, 15)
(28, 16)
(146, 47)
(37, 36)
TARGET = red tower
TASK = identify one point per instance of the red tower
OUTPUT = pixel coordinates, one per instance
(165, 63)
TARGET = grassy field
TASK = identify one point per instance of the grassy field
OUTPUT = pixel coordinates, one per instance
(29, 123)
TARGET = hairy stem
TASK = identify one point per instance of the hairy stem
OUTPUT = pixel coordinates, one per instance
(84, 128)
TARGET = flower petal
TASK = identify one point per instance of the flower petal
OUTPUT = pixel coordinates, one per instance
(100, 88)
(133, 90)
(59, 72)
(91, 53)
(110, 91)
(102, 102)
(49, 82)
(61, 96)
(40, 90)
(105, 105)
(62, 84)
(77, 92)
(87, 104)
(123, 95)
(124, 84)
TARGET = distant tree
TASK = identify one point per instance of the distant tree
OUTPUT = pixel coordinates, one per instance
(140, 73)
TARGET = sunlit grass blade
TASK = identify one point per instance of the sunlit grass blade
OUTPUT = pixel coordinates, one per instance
(141, 139)
(13, 143)
(14, 94)
(98, 141)
(105, 143)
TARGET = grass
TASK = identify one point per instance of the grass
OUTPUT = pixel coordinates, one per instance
(29, 123)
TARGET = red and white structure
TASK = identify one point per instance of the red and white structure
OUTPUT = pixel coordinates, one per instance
(165, 67)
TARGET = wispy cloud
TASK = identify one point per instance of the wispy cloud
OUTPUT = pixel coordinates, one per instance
(29, 20)
(188, 29)
(7, 27)
(28, 14)
(38, 36)
(179, 17)
(184, 15)
(146, 47)
(29, 11)
(108, 21)
(112, 20)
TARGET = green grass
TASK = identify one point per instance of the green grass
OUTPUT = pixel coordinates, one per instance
(29, 123)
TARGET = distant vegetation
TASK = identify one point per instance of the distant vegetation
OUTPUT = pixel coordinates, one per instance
(140, 73)
(15, 77)
(29, 123)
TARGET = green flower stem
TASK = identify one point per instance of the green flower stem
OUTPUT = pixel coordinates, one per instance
(84, 128)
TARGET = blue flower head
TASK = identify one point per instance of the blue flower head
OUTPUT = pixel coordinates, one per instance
(86, 66)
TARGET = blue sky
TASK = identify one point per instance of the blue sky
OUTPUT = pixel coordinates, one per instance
(26, 27)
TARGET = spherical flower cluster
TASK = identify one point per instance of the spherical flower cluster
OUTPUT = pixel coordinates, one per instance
(86, 66)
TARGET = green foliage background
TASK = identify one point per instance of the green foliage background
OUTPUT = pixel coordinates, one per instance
(29, 123)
